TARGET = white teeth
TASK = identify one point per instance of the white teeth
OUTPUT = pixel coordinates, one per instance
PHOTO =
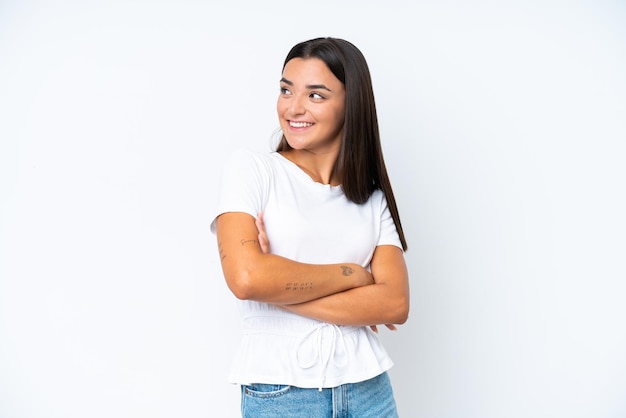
(299, 124)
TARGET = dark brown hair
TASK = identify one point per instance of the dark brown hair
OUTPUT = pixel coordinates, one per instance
(360, 166)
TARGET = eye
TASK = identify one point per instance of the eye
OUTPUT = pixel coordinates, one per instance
(284, 90)
(316, 96)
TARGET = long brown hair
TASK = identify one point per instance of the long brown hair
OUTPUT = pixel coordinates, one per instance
(360, 166)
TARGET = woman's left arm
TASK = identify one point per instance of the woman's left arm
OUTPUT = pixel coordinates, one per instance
(384, 302)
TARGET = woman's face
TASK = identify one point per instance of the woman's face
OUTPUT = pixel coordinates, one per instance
(311, 106)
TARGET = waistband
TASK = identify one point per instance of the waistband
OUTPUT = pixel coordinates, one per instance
(326, 341)
(289, 325)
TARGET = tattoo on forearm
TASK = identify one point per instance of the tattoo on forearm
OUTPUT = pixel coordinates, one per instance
(221, 249)
(347, 271)
(247, 241)
(295, 286)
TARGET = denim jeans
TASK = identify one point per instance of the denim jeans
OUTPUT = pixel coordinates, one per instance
(371, 398)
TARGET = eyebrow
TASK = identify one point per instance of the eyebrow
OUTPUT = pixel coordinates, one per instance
(309, 87)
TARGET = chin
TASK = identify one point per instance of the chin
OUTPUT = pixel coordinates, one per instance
(294, 144)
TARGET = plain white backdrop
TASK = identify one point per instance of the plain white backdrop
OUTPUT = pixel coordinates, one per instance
(503, 126)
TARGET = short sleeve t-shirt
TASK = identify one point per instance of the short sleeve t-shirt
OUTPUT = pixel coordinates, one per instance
(313, 223)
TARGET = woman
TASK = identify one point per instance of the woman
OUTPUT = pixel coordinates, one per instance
(310, 241)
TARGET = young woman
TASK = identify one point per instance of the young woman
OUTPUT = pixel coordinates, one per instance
(311, 243)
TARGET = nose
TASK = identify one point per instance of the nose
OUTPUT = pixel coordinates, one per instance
(296, 105)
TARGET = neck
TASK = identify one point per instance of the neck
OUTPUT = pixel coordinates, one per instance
(318, 166)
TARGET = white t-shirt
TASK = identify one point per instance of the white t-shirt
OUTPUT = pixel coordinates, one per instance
(313, 223)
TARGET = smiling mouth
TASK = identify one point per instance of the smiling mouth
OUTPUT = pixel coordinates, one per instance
(300, 124)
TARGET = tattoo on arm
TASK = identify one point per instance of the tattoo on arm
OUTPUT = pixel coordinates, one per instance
(347, 271)
(295, 286)
(221, 249)
(243, 242)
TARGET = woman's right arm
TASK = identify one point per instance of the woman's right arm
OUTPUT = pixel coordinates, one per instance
(253, 275)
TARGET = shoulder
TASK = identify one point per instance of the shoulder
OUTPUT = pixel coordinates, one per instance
(247, 158)
(378, 203)
(377, 199)
(245, 154)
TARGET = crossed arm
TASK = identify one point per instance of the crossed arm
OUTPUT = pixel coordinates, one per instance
(342, 294)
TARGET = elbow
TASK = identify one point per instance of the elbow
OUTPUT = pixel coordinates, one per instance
(241, 293)
(240, 284)
(400, 312)
(246, 280)
(402, 317)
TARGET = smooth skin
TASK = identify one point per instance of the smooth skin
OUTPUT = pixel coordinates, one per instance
(311, 113)
(310, 110)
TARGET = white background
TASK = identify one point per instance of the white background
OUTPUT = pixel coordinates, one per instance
(504, 131)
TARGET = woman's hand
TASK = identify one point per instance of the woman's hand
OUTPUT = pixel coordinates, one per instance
(392, 327)
(262, 237)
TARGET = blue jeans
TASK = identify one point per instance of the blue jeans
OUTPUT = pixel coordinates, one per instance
(371, 398)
